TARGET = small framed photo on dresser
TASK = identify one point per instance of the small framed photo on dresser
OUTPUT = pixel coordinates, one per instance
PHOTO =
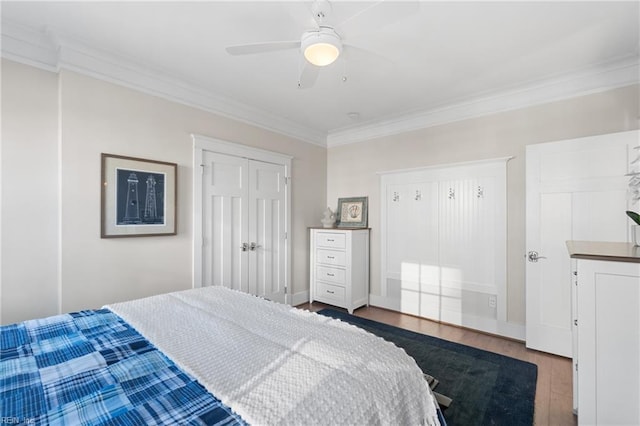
(352, 212)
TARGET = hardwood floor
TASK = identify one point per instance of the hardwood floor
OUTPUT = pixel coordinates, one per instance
(553, 405)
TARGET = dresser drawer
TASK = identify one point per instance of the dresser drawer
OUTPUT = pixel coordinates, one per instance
(331, 239)
(332, 275)
(330, 293)
(331, 257)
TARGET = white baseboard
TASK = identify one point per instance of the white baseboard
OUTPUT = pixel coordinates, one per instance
(300, 298)
(384, 302)
(487, 325)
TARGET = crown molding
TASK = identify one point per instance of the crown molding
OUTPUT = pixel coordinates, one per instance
(53, 52)
(21, 44)
(619, 73)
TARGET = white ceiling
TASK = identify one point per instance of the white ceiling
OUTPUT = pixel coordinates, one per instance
(443, 61)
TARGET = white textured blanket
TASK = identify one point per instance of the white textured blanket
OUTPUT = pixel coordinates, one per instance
(273, 364)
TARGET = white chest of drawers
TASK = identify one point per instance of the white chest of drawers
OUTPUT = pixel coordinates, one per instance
(339, 267)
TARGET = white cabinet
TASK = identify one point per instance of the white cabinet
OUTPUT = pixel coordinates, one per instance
(339, 267)
(607, 341)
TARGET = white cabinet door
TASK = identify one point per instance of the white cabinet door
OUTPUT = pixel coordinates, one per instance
(608, 343)
(244, 225)
(575, 190)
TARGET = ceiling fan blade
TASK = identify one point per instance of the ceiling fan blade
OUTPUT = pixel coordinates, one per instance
(377, 16)
(359, 54)
(308, 75)
(357, 58)
(248, 49)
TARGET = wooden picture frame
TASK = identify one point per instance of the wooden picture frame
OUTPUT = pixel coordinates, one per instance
(352, 212)
(139, 197)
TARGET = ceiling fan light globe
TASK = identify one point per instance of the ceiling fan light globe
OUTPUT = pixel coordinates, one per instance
(322, 47)
(321, 54)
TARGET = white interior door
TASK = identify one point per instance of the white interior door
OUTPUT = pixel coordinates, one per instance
(267, 235)
(225, 250)
(575, 190)
(241, 219)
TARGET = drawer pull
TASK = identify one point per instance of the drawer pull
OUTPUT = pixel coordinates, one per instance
(330, 257)
(330, 240)
(330, 274)
(331, 292)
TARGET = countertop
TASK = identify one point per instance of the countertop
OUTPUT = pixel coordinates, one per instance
(338, 228)
(598, 250)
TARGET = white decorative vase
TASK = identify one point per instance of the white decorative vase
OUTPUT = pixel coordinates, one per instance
(329, 219)
(635, 231)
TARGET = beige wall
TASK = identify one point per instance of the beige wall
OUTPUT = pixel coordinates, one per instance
(352, 168)
(96, 117)
(29, 193)
(54, 127)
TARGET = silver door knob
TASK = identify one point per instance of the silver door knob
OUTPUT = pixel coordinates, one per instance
(244, 247)
(533, 256)
(254, 246)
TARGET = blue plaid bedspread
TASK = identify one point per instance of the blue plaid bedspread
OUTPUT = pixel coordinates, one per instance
(92, 368)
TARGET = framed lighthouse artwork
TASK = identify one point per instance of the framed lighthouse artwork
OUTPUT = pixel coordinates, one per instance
(138, 197)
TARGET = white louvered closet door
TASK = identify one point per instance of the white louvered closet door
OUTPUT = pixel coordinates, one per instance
(444, 242)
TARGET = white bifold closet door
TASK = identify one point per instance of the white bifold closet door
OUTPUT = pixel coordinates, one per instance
(244, 225)
(444, 242)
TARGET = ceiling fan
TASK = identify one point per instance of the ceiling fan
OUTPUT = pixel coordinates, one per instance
(322, 45)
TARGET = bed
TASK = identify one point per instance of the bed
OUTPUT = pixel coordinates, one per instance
(206, 356)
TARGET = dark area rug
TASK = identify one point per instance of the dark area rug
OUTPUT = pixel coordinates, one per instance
(486, 388)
